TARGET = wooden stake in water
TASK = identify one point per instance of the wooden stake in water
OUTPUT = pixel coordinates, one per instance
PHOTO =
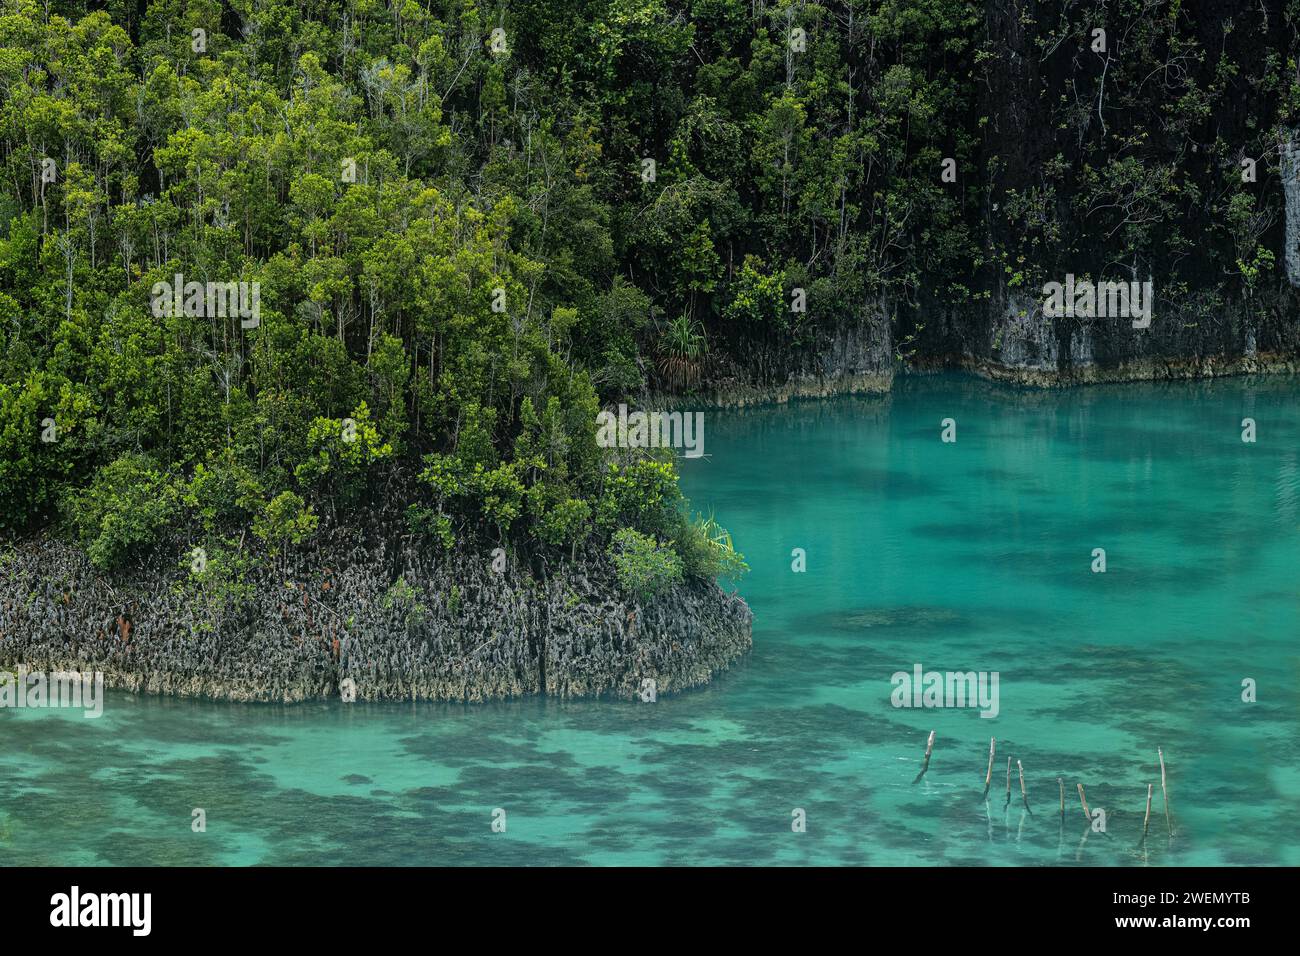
(1083, 802)
(1164, 791)
(1023, 795)
(929, 747)
(1146, 821)
(1061, 783)
(1008, 803)
(988, 777)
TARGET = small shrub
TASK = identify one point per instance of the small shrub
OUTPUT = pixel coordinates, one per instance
(707, 550)
(125, 511)
(405, 598)
(645, 567)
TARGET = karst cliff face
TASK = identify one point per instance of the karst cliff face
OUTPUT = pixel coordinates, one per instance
(1112, 146)
(1291, 211)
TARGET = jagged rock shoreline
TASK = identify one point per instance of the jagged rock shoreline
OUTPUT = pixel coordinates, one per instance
(403, 622)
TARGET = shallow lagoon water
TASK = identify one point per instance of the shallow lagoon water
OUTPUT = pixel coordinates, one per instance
(974, 555)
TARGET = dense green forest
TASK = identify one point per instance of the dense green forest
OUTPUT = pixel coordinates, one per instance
(474, 225)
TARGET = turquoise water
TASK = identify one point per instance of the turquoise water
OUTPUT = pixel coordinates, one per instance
(969, 556)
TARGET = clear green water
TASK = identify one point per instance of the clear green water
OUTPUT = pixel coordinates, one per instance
(967, 556)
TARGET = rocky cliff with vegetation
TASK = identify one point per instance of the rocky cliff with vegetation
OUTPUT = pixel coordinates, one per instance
(463, 229)
(1143, 142)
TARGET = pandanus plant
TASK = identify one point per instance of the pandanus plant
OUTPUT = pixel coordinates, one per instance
(682, 352)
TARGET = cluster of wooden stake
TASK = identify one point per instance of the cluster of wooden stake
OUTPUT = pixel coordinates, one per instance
(1083, 800)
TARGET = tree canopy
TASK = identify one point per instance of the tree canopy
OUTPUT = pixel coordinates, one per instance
(472, 225)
